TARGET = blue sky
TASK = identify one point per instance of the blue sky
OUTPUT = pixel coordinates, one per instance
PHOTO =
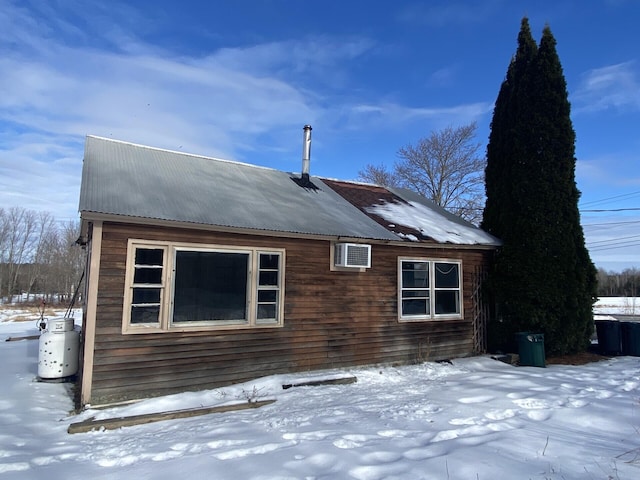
(238, 80)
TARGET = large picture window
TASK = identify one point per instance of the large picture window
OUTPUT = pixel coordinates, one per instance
(183, 286)
(429, 289)
(210, 286)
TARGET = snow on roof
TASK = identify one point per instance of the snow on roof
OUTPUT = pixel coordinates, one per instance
(430, 223)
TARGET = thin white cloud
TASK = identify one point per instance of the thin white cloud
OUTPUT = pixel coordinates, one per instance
(227, 97)
(313, 54)
(63, 77)
(30, 179)
(611, 87)
(215, 104)
(396, 115)
(608, 170)
(443, 77)
(77, 91)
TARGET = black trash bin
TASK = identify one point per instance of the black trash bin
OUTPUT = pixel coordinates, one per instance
(630, 333)
(531, 349)
(608, 337)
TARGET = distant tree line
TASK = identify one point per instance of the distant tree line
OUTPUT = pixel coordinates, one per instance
(613, 284)
(39, 258)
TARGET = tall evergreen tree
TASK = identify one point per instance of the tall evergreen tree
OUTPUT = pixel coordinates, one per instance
(502, 150)
(543, 278)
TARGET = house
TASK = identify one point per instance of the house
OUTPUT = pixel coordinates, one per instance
(204, 272)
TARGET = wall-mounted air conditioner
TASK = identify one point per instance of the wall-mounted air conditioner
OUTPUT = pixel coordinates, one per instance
(352, 255)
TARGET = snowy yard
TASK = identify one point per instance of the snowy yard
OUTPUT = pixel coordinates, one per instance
(473, 419)
(617, 305)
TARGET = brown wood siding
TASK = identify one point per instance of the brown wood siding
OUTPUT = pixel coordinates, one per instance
(332, 319)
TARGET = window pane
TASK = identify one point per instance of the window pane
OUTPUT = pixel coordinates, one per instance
(447, 302)
(147, 314)
(210, 286)
(267, 311)
(269, 296)
(415, 293)
(424, 266)
(415, 307)
(268, 278)
(269, 261)
(415, 274)
(147, 275)
(447, 275)
(146, 295)
(149, 256)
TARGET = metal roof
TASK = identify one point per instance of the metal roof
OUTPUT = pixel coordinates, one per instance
(120, 178)
(140, 182)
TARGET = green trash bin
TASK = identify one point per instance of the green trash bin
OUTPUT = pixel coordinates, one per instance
(630, 333)
(531, 349)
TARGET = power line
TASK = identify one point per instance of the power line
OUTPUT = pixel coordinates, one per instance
(610, 199)
(601, 248)
(612, 210)
(608, 223)
(615, 242)
(613, 239)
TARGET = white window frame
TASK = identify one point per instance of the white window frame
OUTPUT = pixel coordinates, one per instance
(432, 289)
(132, 268)
(166, 324)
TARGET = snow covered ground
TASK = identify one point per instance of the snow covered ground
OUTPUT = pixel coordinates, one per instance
(474, 419)
(617, 305)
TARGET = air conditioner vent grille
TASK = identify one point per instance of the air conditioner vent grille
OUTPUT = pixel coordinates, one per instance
(353, 255)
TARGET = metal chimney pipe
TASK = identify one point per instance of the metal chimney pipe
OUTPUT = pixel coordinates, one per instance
(306, 151)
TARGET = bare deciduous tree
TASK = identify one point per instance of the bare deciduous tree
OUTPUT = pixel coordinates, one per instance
(21, 225)
(46, 231)
(444, 167)
(379, 175)
(3, 248)
(619, 284)
(37, 256)
(71, 259)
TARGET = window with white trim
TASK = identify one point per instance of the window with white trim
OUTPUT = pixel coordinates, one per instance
(147, 288)
(429, 289)
(187, 286)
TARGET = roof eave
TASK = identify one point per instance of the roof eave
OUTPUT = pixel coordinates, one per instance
(91, 216)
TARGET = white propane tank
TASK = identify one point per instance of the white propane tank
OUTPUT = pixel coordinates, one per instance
(59, 349)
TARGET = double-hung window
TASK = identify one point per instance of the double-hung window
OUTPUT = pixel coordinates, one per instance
(185, 286)
(429, 289)
(147, 288)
